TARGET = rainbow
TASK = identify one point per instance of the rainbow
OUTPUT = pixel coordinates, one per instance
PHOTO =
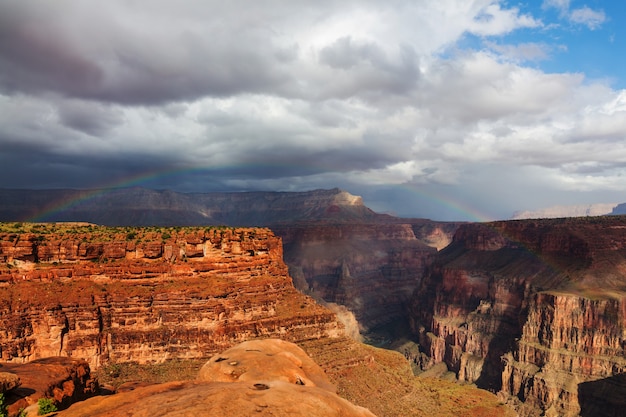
(85, 195)
(453, 205)
(140, 179)
(450, 204)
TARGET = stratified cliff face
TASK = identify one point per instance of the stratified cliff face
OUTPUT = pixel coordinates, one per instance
(568, 340)
(146, 295)
(534, 309)
(372, 269)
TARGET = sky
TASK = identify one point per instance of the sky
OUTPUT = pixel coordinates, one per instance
(444, 109)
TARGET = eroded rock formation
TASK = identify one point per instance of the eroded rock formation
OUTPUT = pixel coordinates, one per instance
(262, 378)
(534, 309)
(63, 380)
(146, 295)
(270, 359)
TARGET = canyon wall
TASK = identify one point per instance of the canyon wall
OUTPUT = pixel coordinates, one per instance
(372, 269)
(147, 294)
(533, 309)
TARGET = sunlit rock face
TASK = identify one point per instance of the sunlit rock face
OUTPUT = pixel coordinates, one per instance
(268, 359)
(534, 309)
(256, 378)
(147, 295)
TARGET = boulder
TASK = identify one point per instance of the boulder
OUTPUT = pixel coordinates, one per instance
(271, 359)
(8, 381)
(64, 380)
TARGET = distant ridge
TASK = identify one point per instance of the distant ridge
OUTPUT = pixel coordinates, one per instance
(584, 210)
(145, 207)
(619, 209)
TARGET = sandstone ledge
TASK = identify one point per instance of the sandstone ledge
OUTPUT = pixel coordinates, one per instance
(265, 378)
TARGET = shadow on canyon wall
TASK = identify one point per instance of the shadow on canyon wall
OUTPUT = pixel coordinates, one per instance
(604, 397)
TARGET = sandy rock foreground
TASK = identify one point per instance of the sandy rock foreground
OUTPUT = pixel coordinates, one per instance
(256, 378)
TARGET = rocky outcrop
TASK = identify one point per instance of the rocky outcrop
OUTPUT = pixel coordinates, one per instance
(256, 378)
(61, 379)
(219, 399)
(146, 295)
(566, 340)
(534, 309)
(8, 381)
(269, 359)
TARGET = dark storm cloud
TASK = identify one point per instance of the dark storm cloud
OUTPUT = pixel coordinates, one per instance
(35, 56)
(201, 95)
(88, 117)
(87, 53)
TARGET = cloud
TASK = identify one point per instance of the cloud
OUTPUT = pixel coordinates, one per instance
(561, 5)
(585, 16)
(299, 95)
(522, 52)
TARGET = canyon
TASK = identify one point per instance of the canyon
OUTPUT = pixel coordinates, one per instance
(533, 309)
(338, 250)
(371, 269)
(113, 297)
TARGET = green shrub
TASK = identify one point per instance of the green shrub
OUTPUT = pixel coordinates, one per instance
(3, 406)
(46, 405)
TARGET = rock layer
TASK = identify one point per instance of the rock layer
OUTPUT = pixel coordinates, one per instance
(146, 295)
(534, 309)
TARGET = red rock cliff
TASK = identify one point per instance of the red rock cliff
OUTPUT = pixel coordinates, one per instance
(534, 309)
(146, 295)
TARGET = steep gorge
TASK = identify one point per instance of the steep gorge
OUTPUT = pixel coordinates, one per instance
(534, 309)
(371, 268)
